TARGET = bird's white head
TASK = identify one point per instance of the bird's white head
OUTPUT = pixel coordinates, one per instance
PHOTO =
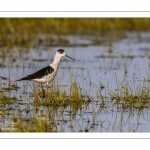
(59, 53)
(62, 53)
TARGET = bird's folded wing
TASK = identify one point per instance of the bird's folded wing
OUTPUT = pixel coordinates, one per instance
(39, 74)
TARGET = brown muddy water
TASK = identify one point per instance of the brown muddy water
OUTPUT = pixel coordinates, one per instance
(110, 61)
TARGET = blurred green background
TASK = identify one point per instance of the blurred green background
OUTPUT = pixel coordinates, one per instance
(23, 31)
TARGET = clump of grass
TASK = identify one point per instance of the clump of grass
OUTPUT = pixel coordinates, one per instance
(36, 125)
(128, 98)
(59, 96)
(3, 98)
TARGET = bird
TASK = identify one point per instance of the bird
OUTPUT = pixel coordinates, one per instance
(48, 73)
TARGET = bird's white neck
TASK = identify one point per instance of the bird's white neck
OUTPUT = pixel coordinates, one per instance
(56, 61)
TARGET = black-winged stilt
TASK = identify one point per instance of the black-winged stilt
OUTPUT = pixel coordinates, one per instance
(48, 73)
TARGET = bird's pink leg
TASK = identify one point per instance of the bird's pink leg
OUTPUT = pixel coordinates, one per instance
(36, 94)
(46, 92)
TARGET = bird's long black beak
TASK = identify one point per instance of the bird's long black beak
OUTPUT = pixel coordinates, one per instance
(69, 57)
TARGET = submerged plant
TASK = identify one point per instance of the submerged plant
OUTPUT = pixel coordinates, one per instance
(128, 97)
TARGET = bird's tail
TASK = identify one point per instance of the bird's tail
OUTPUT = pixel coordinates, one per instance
(19, 80)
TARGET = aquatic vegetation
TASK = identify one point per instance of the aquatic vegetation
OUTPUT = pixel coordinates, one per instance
(3, 98)
(129, 98)
(73, 102)
(59, 96)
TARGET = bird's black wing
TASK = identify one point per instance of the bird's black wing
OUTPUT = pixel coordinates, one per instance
(39, 74)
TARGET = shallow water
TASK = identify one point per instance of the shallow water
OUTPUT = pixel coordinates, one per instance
(110, 62)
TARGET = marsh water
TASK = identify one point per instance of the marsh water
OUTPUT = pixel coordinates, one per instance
(108, 61)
